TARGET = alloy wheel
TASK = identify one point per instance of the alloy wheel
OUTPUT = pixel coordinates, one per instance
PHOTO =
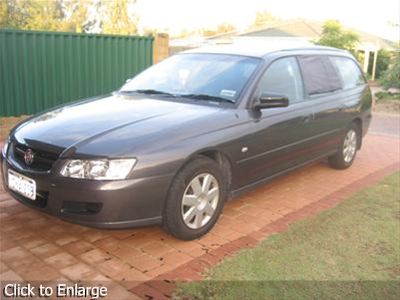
(349, 145)
(200, 200)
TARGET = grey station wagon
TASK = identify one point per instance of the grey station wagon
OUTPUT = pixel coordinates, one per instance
(184, 136)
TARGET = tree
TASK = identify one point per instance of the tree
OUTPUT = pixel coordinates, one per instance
(15, 14)
(263, 18)
(149, 31)
(225, 27)
(334, 36)
(107, 16)
(117, 19)
(52, 15)
(66, 15)
(44, 15)
(77, 19)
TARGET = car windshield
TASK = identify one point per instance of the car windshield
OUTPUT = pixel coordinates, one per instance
(212, 77)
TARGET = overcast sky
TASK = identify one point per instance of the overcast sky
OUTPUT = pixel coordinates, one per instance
(371, 16)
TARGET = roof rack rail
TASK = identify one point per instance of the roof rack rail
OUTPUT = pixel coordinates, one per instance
(325, 48)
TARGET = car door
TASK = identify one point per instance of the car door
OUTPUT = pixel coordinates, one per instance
(323, 87)
(354, 88)
(280, 137)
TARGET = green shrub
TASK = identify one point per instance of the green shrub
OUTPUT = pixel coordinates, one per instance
(391, 77)
(387, 96)
(382, 62)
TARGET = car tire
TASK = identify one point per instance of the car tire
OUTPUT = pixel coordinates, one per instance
(195, 199)
(348, 148)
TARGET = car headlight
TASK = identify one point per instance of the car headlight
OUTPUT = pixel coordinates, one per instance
(5, 147)
(102, 169)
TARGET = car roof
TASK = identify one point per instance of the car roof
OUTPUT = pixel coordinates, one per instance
(262, 51)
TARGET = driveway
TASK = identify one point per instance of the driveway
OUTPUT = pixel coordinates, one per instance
(139, 263)
(385, 124)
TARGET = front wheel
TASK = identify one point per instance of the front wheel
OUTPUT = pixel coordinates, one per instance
(344, 158)
(195, 199)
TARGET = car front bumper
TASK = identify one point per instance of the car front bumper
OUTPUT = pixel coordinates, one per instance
(102, 204)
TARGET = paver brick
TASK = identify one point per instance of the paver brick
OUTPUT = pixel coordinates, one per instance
(3, 267)
(126, 253)
(39, 272)
(166, 287)
(7, 244)
(94, 256)
(144, 262)
(79, 271)
(61, 260)
(163, 269)
(66, 239)
(16, 256)
(32, 242)
(10, 276)
(146, 291)
(46, 250)
(94, 235)
(132, 278)
(108, 244)
(176, 258)
(78, 247)
(156, 249)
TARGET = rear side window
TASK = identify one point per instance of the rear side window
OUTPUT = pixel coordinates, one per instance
(320, 76)
(349, 71)
(283, 77)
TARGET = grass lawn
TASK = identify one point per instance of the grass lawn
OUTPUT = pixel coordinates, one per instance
(351, 251)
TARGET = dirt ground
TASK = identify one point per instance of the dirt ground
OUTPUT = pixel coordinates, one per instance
(387, 106)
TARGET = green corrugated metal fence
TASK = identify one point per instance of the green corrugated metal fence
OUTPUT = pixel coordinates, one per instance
(39, 70)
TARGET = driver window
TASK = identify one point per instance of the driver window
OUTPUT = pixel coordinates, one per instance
(282, 77)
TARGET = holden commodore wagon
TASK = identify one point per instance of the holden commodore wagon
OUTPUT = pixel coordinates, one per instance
(187, 134)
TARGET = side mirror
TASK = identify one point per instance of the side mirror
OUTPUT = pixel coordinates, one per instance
(271, 101)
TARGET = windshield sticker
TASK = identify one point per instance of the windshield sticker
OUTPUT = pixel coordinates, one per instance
(228, 93)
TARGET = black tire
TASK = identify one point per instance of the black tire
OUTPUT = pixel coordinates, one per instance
(173, 221)
(338, 161)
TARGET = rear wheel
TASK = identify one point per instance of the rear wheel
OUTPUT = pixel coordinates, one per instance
(347, 150)
(195, 200)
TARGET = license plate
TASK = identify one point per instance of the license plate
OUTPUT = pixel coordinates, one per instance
(22, 184)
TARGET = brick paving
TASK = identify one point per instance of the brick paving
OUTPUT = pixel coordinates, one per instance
(145, 262)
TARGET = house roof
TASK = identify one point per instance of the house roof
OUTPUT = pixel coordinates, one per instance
(302, 29)
(288, 29)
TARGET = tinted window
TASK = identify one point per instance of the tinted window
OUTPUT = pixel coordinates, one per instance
(283, 77)
(320, 76)
(349, 71)
(211, 74)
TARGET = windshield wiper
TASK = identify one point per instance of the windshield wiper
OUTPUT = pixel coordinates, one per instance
(206, 97)
(149, 92)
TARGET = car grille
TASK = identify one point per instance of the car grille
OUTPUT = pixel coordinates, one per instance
(43, 159)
